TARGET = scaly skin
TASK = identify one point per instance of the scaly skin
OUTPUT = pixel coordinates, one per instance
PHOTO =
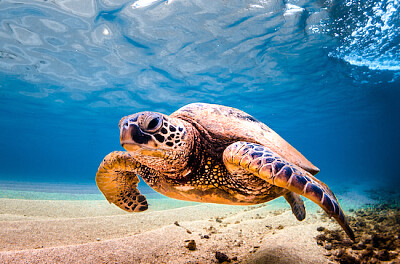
(117, 179)
(260, 161)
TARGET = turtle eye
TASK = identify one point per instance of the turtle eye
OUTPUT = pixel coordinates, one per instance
(152, 123)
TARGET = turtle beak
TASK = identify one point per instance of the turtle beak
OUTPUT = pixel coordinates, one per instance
(131, 136)
(125, 131)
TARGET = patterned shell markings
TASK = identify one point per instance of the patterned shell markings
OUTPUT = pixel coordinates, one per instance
(232, 125)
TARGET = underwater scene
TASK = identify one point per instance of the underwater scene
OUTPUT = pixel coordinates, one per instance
(204, 131)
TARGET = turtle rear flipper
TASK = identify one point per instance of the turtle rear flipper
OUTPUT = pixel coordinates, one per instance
(265, 164)
(297, 205)
(117, 179)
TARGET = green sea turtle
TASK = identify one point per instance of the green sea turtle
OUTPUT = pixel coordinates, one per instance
(214, 154)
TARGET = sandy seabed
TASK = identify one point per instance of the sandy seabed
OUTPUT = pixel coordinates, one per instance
(62, 231)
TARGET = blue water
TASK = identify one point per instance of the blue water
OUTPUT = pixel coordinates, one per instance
(324, 75)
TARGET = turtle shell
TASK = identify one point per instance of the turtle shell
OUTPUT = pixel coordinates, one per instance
(230, 125)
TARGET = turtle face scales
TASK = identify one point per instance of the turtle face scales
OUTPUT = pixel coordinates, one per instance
(155, 140)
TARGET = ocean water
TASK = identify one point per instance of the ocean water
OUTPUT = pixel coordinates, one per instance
(325, 75)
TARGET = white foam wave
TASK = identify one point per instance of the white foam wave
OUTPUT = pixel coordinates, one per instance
(373, 40)
(378, 64)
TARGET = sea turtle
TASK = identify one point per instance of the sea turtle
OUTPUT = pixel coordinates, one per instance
(214, 154)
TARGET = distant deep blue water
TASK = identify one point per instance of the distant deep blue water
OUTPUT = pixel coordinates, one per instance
(325, 75)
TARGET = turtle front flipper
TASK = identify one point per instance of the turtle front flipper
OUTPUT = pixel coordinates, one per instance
(265, 164)
(117, 179)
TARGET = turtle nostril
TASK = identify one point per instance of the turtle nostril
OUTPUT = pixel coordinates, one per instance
(125, 124)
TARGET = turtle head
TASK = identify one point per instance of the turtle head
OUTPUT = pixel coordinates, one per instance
(157, 141)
